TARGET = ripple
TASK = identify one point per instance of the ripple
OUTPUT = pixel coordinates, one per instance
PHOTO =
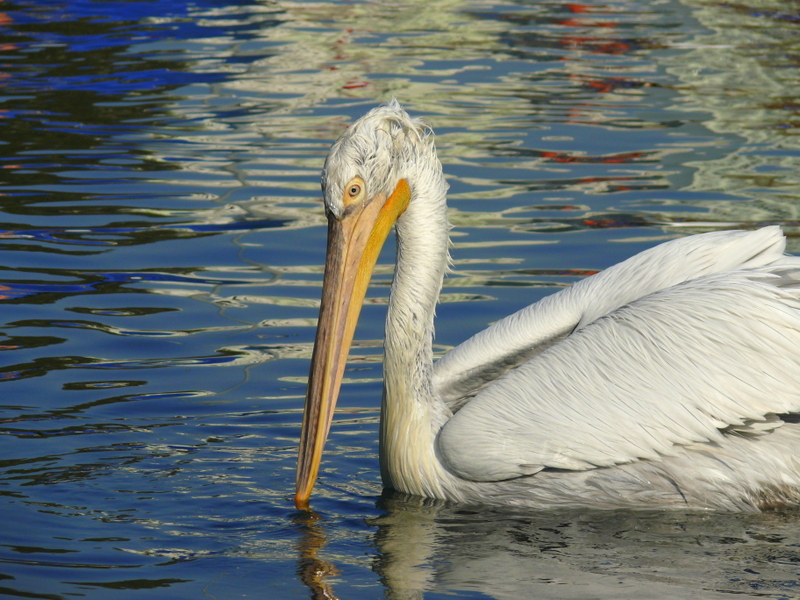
(161, 214)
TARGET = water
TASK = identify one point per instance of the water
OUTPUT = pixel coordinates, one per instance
(161, 242)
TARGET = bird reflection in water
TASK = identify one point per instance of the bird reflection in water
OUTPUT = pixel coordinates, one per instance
(312, 570)
(405, 539)
(424, 546)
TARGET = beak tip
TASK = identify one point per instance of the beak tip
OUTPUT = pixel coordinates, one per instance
(301, 502)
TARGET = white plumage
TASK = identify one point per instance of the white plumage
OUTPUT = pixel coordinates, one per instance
(670, 379)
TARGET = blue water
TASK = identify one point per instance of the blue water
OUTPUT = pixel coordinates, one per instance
(161, 249)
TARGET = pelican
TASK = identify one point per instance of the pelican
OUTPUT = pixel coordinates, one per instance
(671, 379)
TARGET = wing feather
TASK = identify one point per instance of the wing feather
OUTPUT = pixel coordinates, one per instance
(480, 360)
(683, 365)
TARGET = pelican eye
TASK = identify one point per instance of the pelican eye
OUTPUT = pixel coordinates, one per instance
(354, 191)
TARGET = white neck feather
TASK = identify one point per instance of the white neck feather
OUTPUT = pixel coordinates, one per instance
(411, 414)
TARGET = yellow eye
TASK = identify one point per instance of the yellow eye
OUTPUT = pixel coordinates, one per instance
(354, 191)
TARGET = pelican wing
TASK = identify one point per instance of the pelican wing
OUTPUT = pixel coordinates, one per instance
(683, 365)
(480, 360)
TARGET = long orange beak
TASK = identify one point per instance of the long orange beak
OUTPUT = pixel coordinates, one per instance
(354, 243)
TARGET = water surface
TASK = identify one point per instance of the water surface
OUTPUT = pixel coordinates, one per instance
(161, 249)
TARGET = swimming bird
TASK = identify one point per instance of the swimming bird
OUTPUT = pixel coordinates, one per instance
(671, 379)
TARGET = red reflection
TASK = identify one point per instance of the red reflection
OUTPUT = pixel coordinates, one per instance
(566, 157)
(354, 84)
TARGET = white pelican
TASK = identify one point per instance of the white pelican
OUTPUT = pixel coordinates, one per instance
(670, 379)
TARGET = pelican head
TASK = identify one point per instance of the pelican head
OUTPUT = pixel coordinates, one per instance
(368, 181)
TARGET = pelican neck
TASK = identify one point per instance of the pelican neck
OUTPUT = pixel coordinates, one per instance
(411, 412)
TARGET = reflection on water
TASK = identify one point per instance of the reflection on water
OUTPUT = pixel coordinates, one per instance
(575, 555)
(760, 108)
(313, 570)
(424, 547)
(161, 247)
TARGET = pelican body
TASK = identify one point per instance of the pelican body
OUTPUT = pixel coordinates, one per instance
(671, 379)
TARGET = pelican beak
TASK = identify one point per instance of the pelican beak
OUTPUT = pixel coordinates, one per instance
(354, 243)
